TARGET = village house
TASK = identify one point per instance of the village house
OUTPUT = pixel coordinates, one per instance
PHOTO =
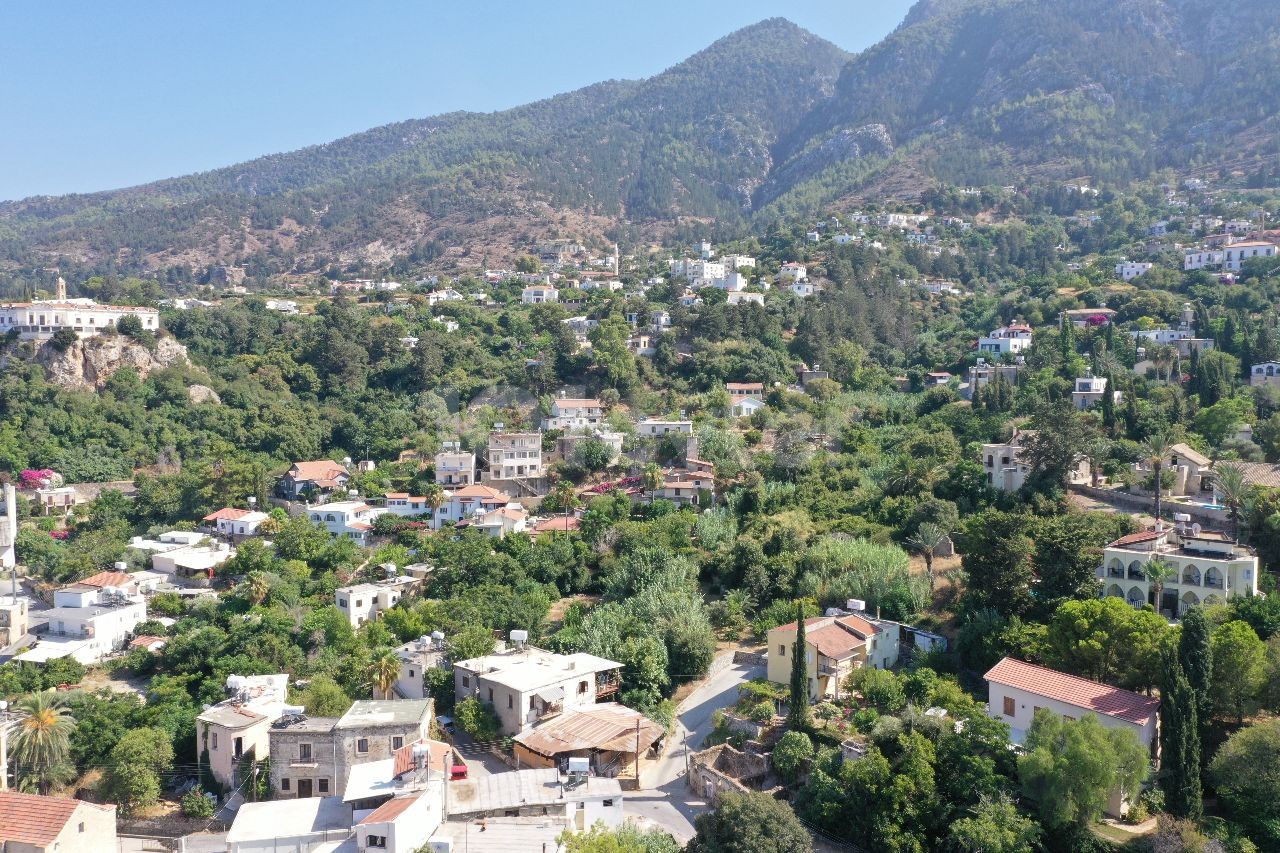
(613, 737)
(685, 489)
(739, 262)
(421, 766)
(1090, 390)
(793, 272)
(352, 519)
(556, 524)
(498, 523)
(524, 685)
(1209, 568)
(15, 619)
(1191, 470)
(1201, 259)
(310, 824)
(193, 560)
(1235, 255)
(455, 468)
(574, 413)
(417, 657)
(32, 823)
(580, 802)
(238, 726)
(57, 500)
(745, 398)
(233, 523)
(1266, 373)
(1007, 471)
(515, 455)
(365, 602)
(316, 478)
(741, 297)
(537, 294)
(304, 756)
(1083, 318)
(834, 647)
(405, 505)
(90, 619)
(1129, 270)
(41, 318)
(466, 502)
(1016, 690)
(9, 528)
(1011, 339)
(657, 427)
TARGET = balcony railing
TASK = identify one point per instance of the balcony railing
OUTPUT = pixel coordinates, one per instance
(607, 687)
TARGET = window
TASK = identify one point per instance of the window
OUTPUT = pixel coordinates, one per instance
(397, 741)
(1008, 706)
(324, 785)
(304, 752)
(608, 804)
(214, 736)
(284, 784)
(81, 828)
(582, 688)
(490, 694)
(378, 841)
(362, 745)
(411, 673)
(466, 681)
(511, 703)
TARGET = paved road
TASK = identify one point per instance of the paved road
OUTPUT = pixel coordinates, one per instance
(666, 800)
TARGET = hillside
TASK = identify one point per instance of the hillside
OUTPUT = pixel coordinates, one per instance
(768, 121)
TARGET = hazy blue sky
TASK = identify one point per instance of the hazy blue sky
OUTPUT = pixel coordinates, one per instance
(96, 95)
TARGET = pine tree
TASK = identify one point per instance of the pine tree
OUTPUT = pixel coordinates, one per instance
(1195, 657)
(1180, 743)
(799, 718)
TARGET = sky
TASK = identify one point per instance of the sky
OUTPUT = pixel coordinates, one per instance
(99, 95)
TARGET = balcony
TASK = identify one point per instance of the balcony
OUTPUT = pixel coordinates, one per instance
(607, 686)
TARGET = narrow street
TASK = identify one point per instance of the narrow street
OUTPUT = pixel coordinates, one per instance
(665, 800)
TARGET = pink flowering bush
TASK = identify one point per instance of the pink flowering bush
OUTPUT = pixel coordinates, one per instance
(34, 478)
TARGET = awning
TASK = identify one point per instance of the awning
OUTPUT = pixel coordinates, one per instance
(551, 694)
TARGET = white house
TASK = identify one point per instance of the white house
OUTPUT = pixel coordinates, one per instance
(739, 297)
(536, 294)
(743, 407)
(498, 523)
(232, 522)
(40, 318)
(1202, 259)
(468, 501)
(1266, 373)
(90, 619)
(455, 468)
(525, 685)
(793, 272)
(570, 413)
(734, 282)
(365, 602)
(1016, 690)
(803, 289)
(8, 528)
(517, 455)
(1129, 270)
(1234, 256)
(739, 262)
(406, 505)
(1014, 338)
(1006, 470)
(1090, 391)
(353, 519)
(1208, 569)
(416, 658)
(655, 427)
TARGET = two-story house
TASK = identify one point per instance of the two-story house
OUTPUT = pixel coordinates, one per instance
(466, 502)
(834, 647)
(657, 427)
(353, 519)
(574, 413)
(1007, 470)
(1013, 339)
(90, 619)
(238, 726)
(525, 685)
(455, 468)
(515, 455)
(31, 823)
(365, 602)
(316, 478)
(1090, 390)
(406, 505)
(1208, 568)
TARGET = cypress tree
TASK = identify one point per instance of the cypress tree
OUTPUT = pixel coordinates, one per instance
(1109, 404)
(1195, 658)
(799, 718)
(1180, 743)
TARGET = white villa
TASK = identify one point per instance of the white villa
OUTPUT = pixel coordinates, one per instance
(1013, 338)
(365, 602)
(1236, 254)
(1006, 470)
(1208, 569)
(1129, 270)
(514, 455)
(536, 294)
(353, 519)
(1090, 391)
(41, 318)
(455, 468)
(568, 414)
(90, 619)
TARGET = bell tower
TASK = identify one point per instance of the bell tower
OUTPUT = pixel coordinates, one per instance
(62, 289)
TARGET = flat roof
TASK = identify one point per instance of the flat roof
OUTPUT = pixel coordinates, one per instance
(530, 669)
(373, 712)
(288, 818)
(521, 788)
(52, 648)
(503, 835)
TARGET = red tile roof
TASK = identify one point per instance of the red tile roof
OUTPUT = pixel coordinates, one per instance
(1134, 538)
(836, 637)
(228, 512)
(35, 820)
(1080, 692)
(104, 579)
(145, 642)
(558, 523)
(319, 469)
(391, 809)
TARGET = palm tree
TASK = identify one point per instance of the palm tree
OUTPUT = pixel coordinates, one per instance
(256, 588)
(1156, 450)
(652, 478)
(1158, 574)
(384, 669)
(925, 541)
(1095, 452)
(1230, 483)
(42, 742)
(434, 496)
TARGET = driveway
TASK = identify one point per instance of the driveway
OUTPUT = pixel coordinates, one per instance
(666, 800)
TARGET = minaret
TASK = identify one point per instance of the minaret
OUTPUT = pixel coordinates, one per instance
(62, 289)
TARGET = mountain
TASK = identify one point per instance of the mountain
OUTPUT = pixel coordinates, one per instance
(695, 140)
(769, 121)
(984, 91)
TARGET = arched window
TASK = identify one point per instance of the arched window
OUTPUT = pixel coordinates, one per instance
(1191, 575)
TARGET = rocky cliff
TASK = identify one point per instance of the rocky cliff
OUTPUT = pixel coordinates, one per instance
(86, 365)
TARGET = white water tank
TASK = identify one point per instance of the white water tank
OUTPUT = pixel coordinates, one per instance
(122, 567)
(857, 605)
(520, 638)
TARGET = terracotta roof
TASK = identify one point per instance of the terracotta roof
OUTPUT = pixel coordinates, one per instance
(1261, 473)
(744, 386)
(609, 726)
(228, 512)
(391, 809)
(319, 469)
(578, 403)
(1135, 538)
(105, 579)
(146, 641)
(35, 820)
(360, 525)
(438, 756)
(484, 492)
(836, 636)
(559, 523)
(1080, 692)
(1251, 244)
